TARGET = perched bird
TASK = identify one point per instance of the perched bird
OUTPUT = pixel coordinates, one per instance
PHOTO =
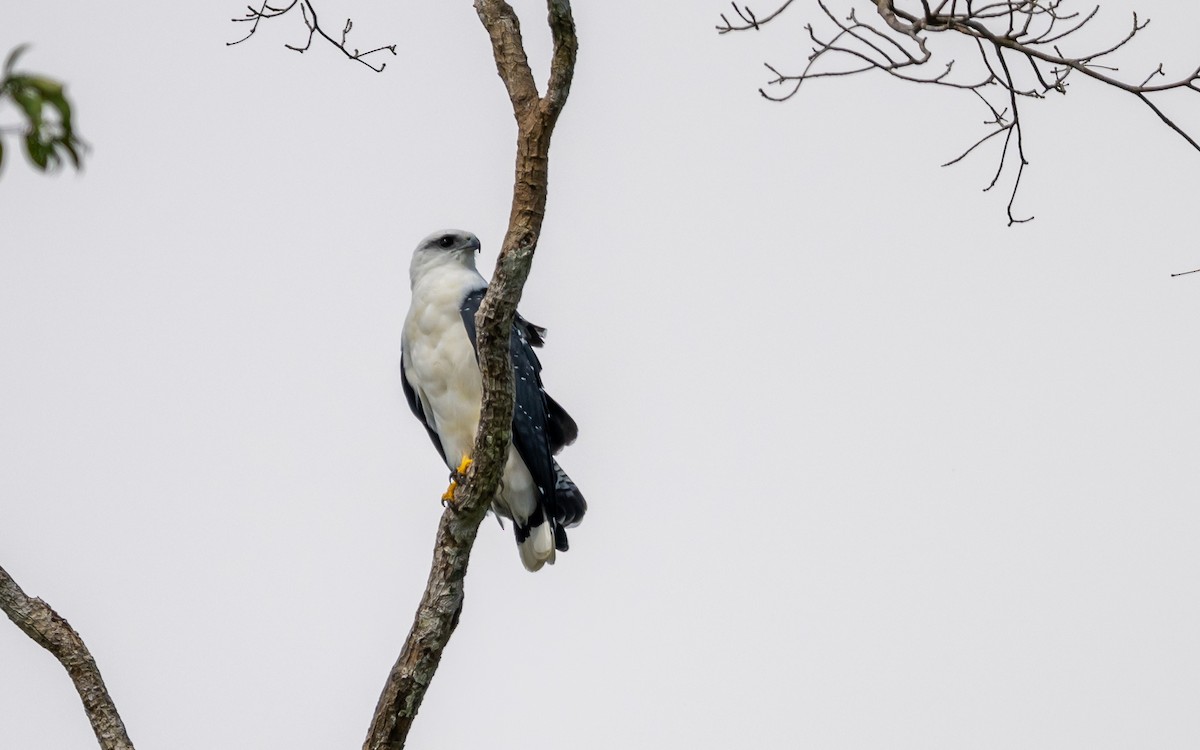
(442, 382)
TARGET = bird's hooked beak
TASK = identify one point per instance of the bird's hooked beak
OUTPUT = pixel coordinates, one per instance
(475, 245)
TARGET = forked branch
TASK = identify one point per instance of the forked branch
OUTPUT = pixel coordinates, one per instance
(1019, 56)
(440, 607)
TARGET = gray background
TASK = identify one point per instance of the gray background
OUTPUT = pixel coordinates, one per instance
(867, 469)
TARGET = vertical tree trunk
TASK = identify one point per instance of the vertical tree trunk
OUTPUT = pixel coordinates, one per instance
(440, 607)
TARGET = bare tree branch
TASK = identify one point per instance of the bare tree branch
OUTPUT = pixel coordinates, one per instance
(50, 631)
(309, 14)
(898, 41)
(440, 607)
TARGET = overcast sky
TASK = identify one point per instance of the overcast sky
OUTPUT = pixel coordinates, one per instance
(866, 467)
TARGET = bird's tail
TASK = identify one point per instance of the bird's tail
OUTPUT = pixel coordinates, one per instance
(545, 532)
(569, 505)
(535, 540)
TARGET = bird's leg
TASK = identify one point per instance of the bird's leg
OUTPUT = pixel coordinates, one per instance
(456, 476)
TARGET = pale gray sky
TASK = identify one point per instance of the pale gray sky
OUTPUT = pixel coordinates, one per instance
(866, 468)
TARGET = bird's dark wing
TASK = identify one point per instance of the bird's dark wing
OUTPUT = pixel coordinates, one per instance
(535, 334)
(541, 427)
(561, 430)
(414, 403)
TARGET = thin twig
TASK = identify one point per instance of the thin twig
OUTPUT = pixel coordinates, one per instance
(309, 13)
(750, 20)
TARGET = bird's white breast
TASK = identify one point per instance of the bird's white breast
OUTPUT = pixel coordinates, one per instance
(440, 364)
(439, 360)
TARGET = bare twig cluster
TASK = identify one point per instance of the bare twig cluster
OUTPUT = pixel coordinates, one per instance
(1019, 55)
(309, 13)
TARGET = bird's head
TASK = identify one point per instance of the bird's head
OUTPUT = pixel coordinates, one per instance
(445, 247)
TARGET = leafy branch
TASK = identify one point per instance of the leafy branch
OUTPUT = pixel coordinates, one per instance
(48, 131)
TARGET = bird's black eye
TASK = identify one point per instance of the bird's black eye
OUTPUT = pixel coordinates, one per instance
(446, 241)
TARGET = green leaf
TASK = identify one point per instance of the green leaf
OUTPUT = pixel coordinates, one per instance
(29, 100)
(48, 87)
(39, 154)
(59, 102)
(69, 146)
(12, 58)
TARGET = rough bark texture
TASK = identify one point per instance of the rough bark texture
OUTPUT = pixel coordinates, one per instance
(442, 603)
(41, 623)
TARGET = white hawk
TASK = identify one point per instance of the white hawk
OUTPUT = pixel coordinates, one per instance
(441, 379)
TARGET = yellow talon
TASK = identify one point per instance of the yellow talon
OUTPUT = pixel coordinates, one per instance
(448, 495)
